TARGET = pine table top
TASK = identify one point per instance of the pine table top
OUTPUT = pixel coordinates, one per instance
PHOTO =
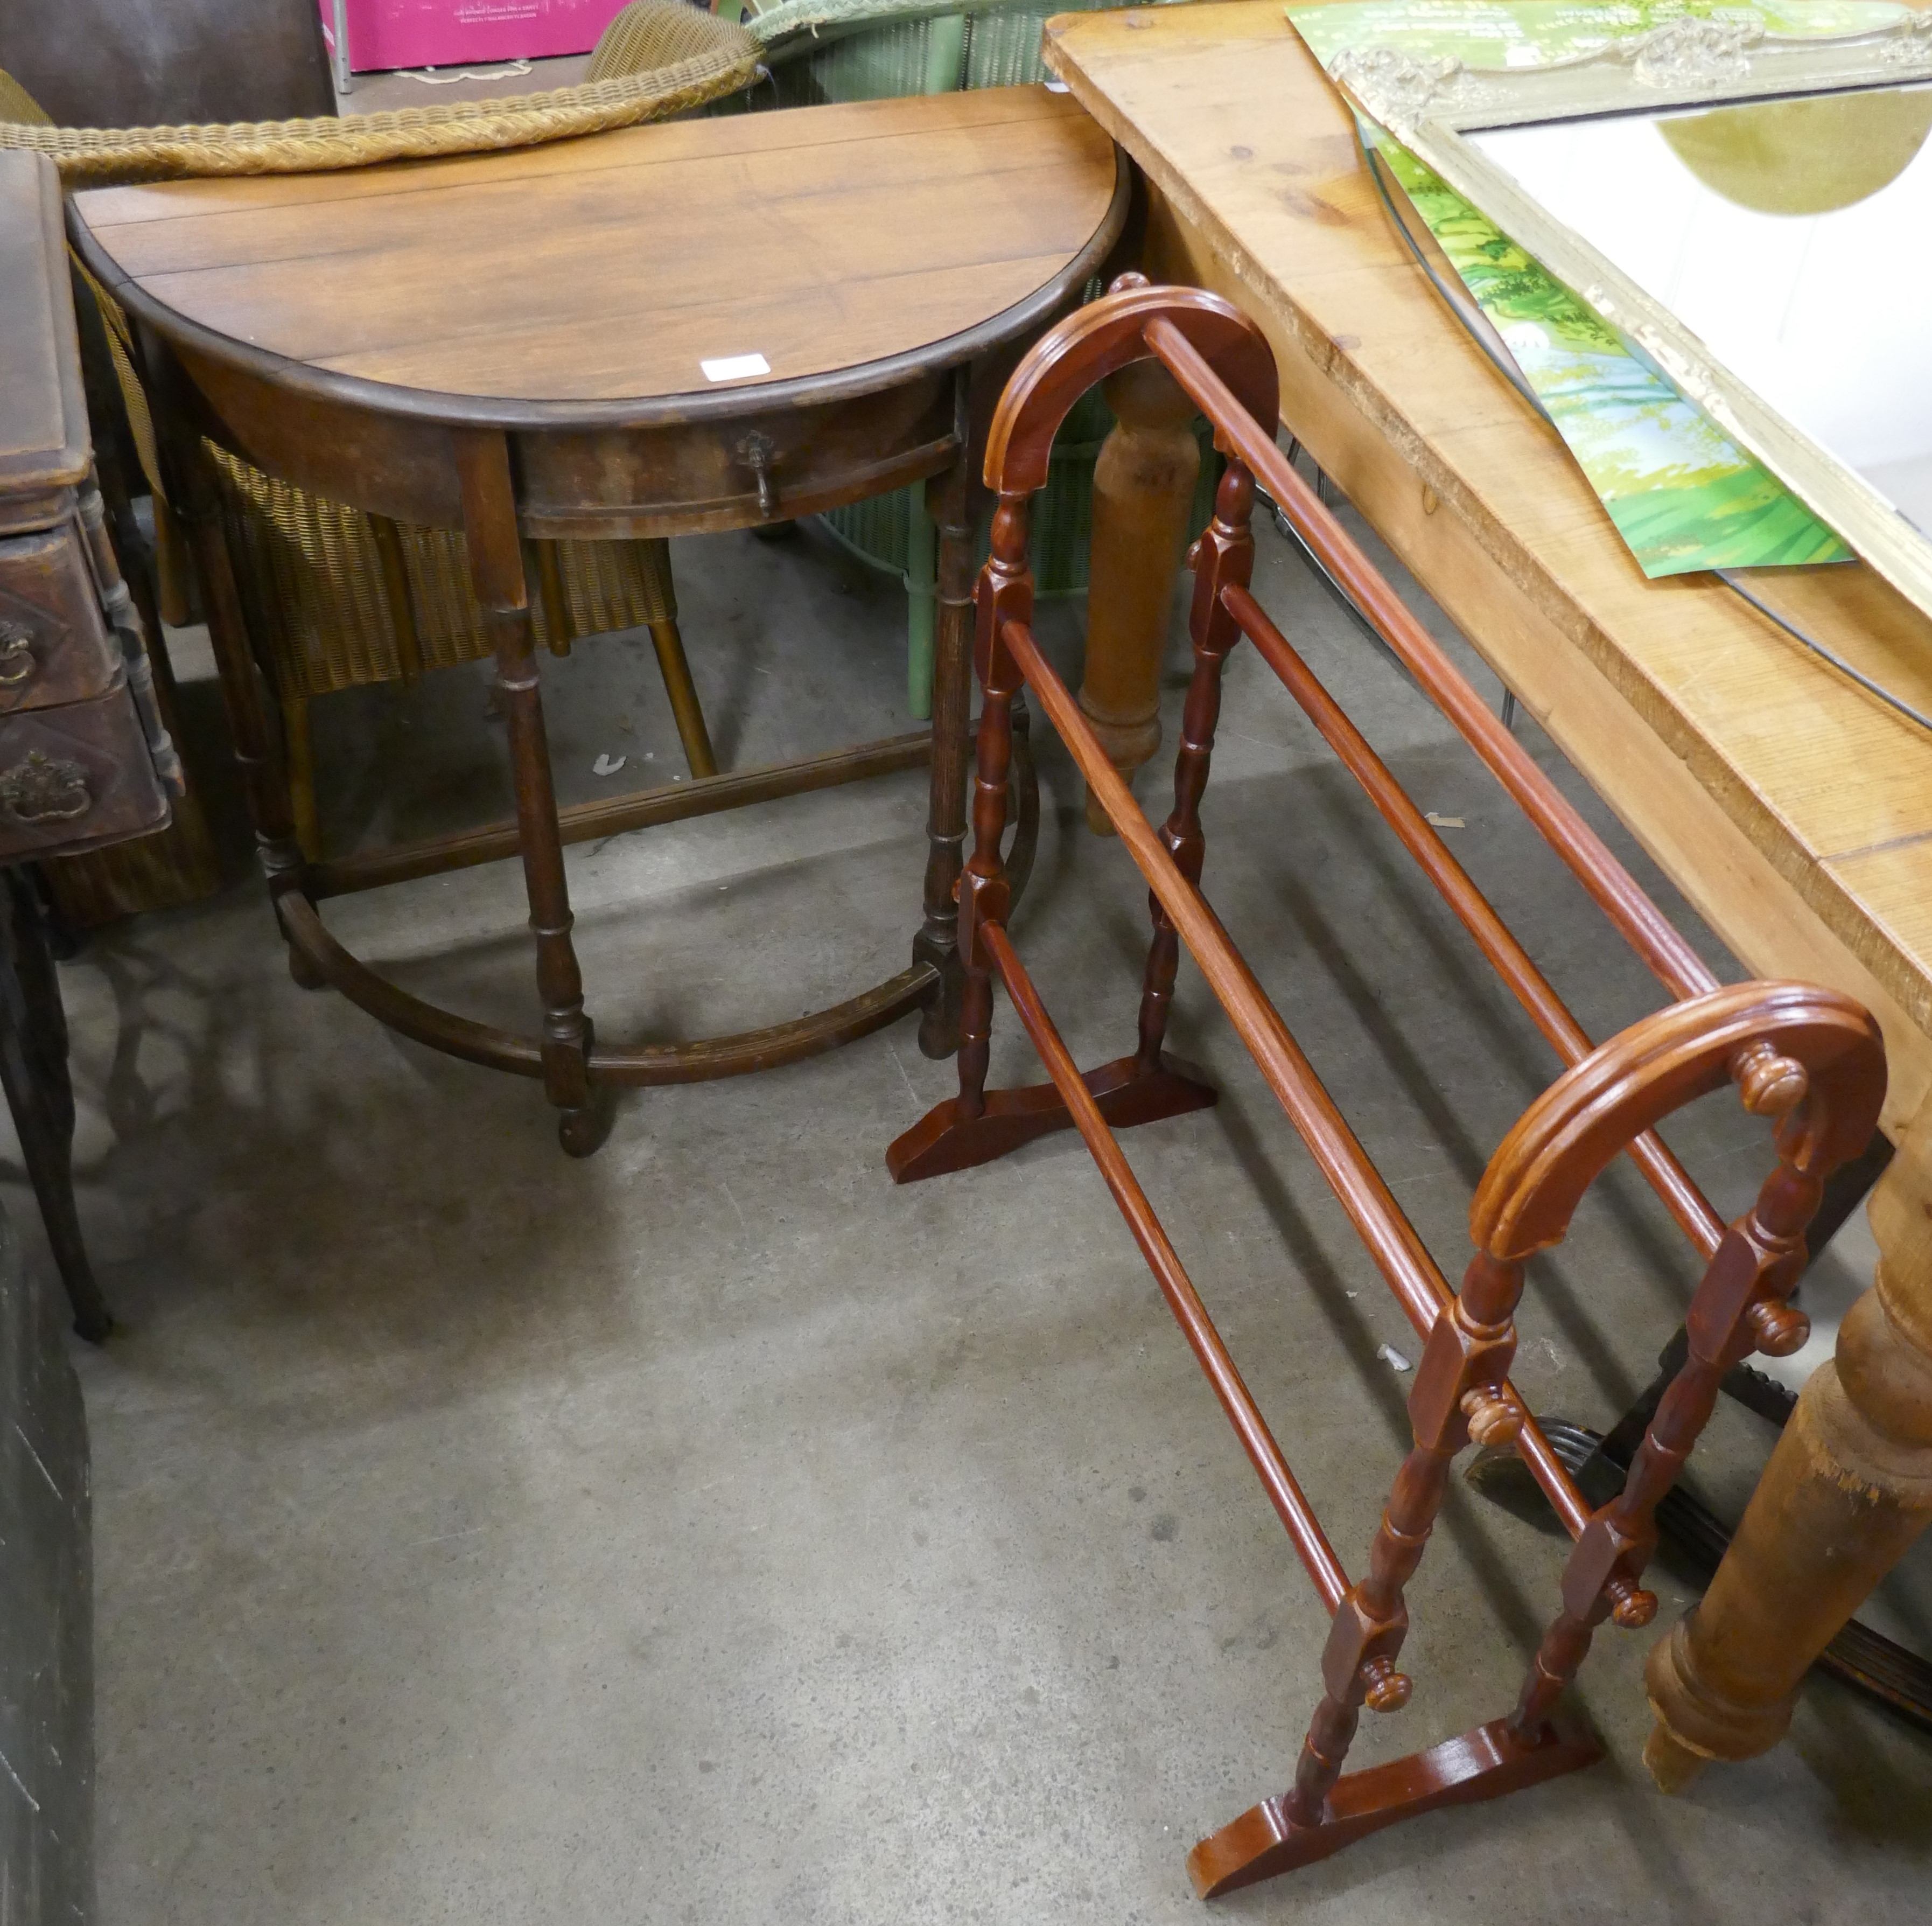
(1672, 696)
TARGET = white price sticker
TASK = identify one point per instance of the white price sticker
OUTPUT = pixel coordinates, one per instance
(735, 367)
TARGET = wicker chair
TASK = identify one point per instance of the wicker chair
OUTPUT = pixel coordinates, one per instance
(333, 597)
(860, 50)
(819, 51)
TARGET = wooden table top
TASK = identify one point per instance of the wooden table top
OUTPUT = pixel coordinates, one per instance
(1242, 137)
(609, 268)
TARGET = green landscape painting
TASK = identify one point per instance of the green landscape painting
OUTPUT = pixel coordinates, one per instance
(1681, 493)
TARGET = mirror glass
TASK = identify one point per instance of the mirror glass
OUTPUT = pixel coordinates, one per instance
(1790, 236)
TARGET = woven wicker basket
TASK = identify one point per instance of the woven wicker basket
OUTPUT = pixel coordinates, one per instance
(667, 57)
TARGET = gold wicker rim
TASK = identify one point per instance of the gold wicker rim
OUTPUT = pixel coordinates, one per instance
(701, 57)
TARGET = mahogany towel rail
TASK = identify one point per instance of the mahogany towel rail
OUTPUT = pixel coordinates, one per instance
(1807, 1057)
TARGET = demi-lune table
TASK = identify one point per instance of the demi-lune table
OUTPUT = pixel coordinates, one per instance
(669, 330)
(1792, 810)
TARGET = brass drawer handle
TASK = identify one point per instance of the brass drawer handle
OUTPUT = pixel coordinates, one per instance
(16, 655)
(760, 453)
(44, 789)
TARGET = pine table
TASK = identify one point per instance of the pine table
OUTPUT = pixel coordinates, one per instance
(1792, 810)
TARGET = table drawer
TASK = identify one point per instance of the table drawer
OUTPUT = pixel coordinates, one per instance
(773, 464)
(55, 646)
(74, 776)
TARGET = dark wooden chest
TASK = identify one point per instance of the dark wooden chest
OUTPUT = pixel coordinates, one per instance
(84, 759)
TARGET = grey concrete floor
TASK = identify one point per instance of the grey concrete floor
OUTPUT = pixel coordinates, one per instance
(709, 1531)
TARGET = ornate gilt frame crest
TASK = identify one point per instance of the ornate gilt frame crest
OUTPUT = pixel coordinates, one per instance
(1432, 106)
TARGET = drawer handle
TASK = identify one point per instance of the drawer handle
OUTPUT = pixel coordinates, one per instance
(16, 655)
(44, 789)
(760, 453)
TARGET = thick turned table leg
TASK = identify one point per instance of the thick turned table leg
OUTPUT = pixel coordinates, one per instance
(496, 570)
(1143, 487)
(244, 696)
(948, 500)
(1848, 1488)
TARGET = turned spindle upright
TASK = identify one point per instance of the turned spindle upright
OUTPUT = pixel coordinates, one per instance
(1807, 1059)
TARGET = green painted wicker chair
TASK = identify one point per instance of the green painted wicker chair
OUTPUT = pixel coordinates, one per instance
(333, 597)
(819, 51)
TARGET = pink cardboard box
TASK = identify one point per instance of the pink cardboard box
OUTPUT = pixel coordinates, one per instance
(383, 34)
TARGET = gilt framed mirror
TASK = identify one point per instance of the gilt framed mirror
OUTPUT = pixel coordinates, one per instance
(1754, 212)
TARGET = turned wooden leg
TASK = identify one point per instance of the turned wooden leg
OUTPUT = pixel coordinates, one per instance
(985, 890)
(244, 698)
(1848, 1488)
(1358, 1664)
(977, 1125)
(33, 1074)
(245, 695)
(1163, 963)
(496, 570)
(922, 581)
(1230, 558)
(1468, 1353)
(948, 499)
(1738, 1308)
(1143, 487)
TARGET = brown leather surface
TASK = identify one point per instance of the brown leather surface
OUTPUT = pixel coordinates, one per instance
(146, 63)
